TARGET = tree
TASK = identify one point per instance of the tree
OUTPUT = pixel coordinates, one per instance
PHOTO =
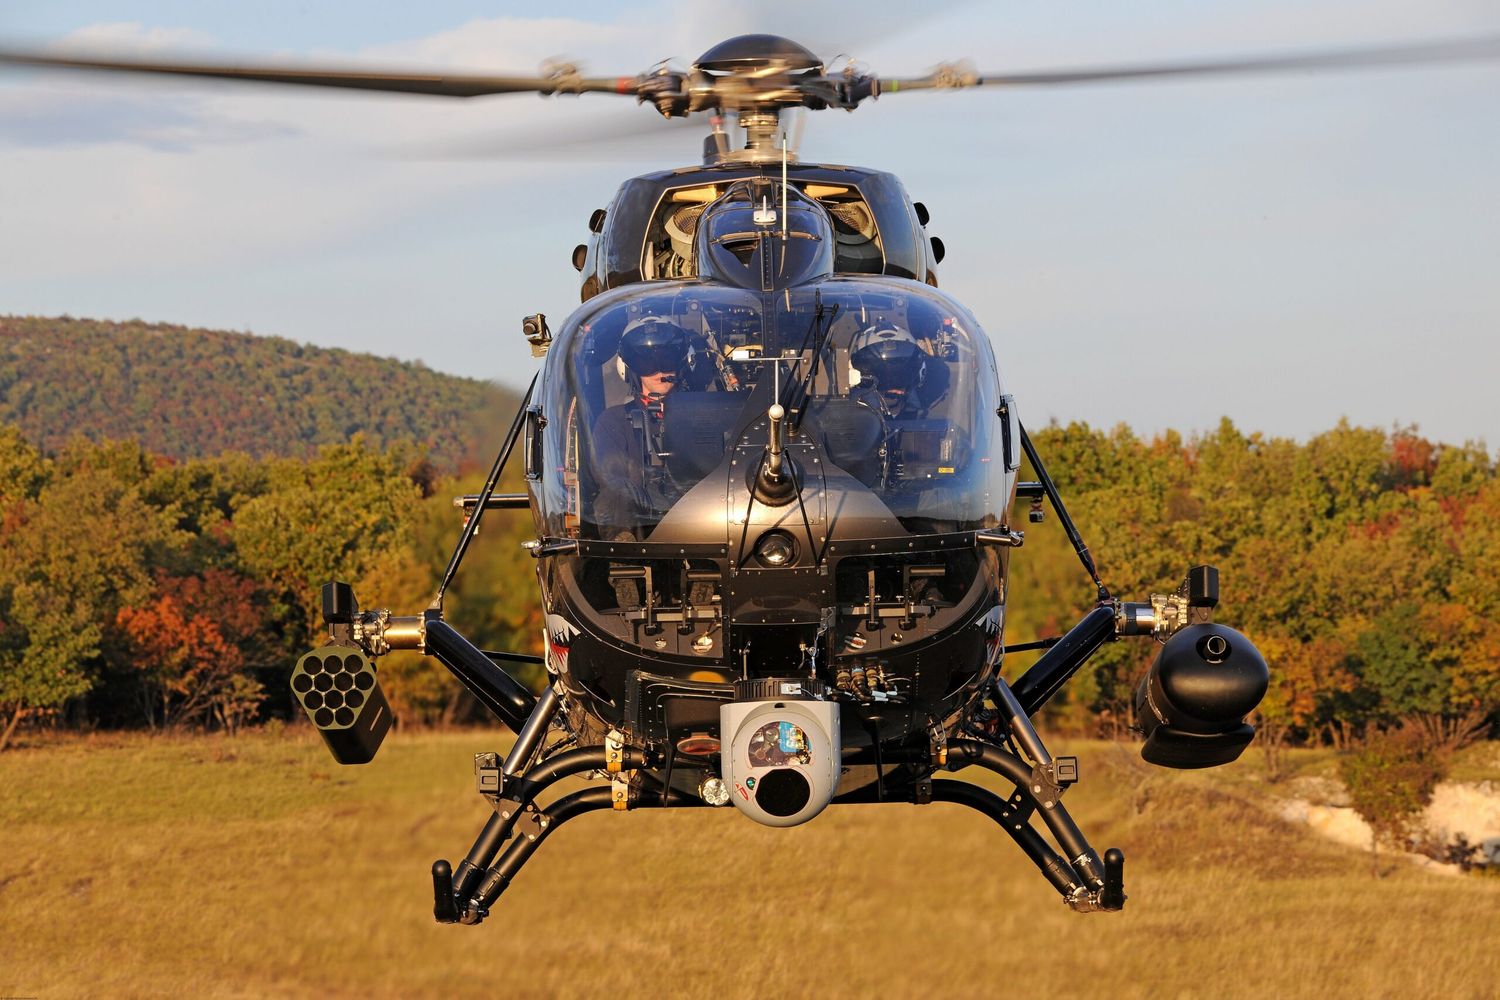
(187, 662)
(336, 517)
(1390, 781)
(1477, 555)
(23, 471)
(69, 559)
(1303, 674)
(189, 645)
(45, 645)
(1464, 648)
(1393, 664)
(1355, 469)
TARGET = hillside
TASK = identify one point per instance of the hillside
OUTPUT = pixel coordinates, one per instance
(188, 393)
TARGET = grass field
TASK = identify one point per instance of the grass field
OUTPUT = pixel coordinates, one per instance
(255, 866)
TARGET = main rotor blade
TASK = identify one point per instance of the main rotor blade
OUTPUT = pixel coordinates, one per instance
(1455, 50)
(435, 84)
(560, 141)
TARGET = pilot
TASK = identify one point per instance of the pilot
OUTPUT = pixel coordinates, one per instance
(922, 451)
(897, 376)
(633, 485)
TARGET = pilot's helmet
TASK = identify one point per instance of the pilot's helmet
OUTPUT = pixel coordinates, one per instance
(653, 345)
(890, 357)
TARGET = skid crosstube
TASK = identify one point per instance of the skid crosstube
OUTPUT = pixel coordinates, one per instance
(519, 826)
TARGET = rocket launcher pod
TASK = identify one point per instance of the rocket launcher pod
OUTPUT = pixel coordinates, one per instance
(337, 687)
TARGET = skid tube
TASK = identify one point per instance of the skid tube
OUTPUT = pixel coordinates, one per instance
(466, 896)
(1079, 875)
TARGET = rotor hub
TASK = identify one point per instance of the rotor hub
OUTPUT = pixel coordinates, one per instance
(758, 53)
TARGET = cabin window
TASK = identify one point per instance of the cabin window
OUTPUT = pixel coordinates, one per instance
(660, 390)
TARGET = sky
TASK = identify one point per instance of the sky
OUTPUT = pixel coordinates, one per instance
(1285, 252)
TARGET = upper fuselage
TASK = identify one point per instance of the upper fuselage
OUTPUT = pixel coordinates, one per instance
(880, 229)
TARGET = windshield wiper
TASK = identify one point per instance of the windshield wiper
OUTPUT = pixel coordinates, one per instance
(817, 332)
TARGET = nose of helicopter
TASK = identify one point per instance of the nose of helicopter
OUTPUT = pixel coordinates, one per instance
(822, 494)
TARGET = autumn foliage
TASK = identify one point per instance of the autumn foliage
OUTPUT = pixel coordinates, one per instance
(190, 393)
(143, 590)
(1361, 562)
(190, 643)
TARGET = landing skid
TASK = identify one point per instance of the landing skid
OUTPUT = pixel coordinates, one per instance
(519, 825)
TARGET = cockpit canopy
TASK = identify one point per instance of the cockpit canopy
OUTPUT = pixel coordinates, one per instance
(655, 393)
(763, 236)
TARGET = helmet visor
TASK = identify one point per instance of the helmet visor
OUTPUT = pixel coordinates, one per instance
(890, 366)
(654, 359)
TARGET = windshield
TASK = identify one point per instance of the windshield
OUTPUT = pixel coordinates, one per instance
(890, 389)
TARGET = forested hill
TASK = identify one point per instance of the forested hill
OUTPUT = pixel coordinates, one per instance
(190, 393)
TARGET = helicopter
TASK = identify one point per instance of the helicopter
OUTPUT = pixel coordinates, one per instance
(772, 469)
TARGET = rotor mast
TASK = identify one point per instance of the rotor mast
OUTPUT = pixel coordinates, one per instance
(762, 140)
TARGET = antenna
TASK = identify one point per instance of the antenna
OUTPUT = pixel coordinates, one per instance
(765, 215)
(783, 186)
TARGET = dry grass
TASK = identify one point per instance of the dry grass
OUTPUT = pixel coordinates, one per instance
(255, 867)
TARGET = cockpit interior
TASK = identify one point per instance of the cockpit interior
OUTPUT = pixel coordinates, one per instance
(891, 387)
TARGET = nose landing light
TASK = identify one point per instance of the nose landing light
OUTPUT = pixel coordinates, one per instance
(776, 549)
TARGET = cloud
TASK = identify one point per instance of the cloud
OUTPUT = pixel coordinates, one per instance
(114, 174)
(1089, 219)
(521, 45)
(131, 38)
(88, 118)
